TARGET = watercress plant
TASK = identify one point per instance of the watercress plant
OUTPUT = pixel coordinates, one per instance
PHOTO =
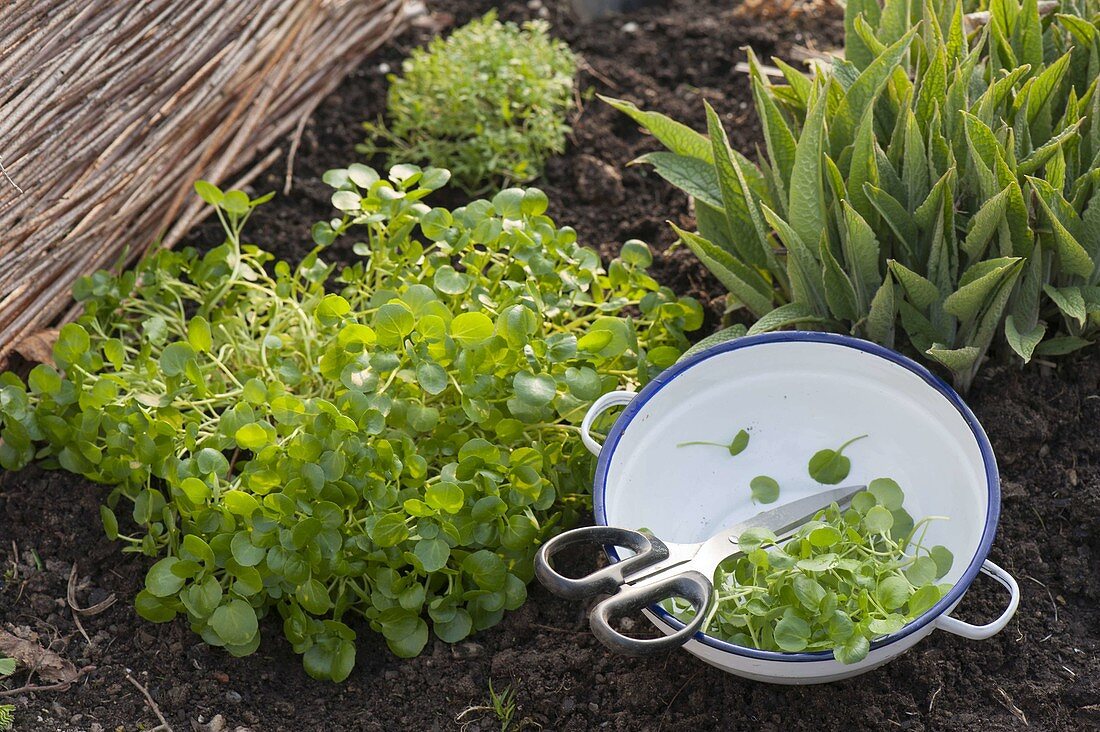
(389, 442)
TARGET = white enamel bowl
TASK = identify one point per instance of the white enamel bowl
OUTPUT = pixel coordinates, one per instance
(797, 393)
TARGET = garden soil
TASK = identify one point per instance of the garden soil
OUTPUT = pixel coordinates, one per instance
(1041, 673)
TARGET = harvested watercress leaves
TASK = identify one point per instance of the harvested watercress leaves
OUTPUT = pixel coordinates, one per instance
(735, 447)
(840, 582)
(765, 489)
(831, 466)
(388, 443)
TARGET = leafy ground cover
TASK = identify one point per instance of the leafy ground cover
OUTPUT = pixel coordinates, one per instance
(1044, 666)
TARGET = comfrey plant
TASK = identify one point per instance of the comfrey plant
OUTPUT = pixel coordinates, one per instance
(390, 442)
(938, 177)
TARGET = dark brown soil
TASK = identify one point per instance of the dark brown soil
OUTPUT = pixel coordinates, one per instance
(1043, 668)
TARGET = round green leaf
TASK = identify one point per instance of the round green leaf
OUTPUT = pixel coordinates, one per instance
(432, 553)
(392, 322)
(792, 633)
(234, 622)
(432, 377)
(470, 329)
(878, 520)
(445, 496)
(251, 436)
(534, 389)
(892, 592)
(160, 580)
(887, 492)
(765, 489)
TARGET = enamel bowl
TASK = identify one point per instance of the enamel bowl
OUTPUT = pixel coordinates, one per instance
(797, 393)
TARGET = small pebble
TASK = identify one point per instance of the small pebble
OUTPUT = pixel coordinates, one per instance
(593, 707)
(630, 27)
(383, 68)
(233, 697)
(221, 677)
(466, 650)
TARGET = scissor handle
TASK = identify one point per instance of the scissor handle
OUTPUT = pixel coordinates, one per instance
(648, 550)
(692, 586)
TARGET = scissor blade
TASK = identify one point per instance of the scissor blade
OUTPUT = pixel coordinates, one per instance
(791, 515)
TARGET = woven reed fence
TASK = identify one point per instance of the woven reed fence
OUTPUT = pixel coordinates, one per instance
(110, 110)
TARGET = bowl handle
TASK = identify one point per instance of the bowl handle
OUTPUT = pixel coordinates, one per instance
(981, 632)
(601, 405)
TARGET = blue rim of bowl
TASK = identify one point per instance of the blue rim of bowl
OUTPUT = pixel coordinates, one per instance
(993, 481)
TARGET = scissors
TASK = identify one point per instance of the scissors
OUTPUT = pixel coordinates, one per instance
(662, 570)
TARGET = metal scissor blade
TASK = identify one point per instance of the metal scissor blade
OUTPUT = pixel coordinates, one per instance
(789, 516)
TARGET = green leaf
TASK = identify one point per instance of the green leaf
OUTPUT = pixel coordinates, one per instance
(765, 489)
(1071, 255)
(806, 202)
(1023, 342)
(432, 377)
(792, 633)
(1069, 300)
(984, 224)
(1061, 346)
(160, 581)
(887, 492)
(745, 283)
(471, 329)
(979, 285)
(392, 322)
(853, 650)
(534, 389)
(432, 553)
(831, 466)
(790, 314)
(679, 138)
(693, 176)
(234, 623)
(839, 292)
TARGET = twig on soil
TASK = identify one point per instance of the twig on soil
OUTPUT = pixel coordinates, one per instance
(932, 701)
(583, 64)
(30, 688)
(1049, 594)
(552, 629)
(1008, 704)
(149, 701)
(294, 143)
(674, 697)
(70, 598)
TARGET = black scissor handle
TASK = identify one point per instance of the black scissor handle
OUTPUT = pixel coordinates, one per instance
(692, 586)
(648, 549)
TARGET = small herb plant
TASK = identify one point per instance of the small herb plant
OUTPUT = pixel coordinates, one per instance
(846, 578)
(391, 441)
(937, 183)
(735, 447)
(490, 103)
